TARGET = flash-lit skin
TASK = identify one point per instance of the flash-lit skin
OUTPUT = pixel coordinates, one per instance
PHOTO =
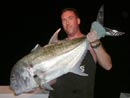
(71, 24)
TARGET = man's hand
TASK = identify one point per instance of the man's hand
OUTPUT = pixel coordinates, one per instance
(92, 36)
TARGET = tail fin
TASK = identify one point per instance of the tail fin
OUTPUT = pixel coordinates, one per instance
(113, 32)
(100, 19)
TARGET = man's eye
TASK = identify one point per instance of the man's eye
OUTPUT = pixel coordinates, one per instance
(70, 17)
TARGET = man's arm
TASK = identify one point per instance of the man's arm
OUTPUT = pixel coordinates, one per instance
(98, 52)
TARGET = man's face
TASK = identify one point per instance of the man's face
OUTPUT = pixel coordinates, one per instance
(70, 22)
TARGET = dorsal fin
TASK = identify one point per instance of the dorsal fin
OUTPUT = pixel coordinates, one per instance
(54, 37)
(36, 47)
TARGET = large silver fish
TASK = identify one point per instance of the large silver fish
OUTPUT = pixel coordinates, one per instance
(47, 63)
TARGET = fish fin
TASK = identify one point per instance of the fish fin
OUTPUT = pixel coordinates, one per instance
(100, 15)
(47, 86)
(103, 31)
(100, 19)
(36, 47)
(77, 70)
(113, 32)
(54, 37)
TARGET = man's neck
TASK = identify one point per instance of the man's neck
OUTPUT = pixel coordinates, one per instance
(76, 35)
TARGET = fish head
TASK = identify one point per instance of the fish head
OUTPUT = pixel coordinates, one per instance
(22, 79)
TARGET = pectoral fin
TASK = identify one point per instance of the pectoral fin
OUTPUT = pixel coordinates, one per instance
(47, 86)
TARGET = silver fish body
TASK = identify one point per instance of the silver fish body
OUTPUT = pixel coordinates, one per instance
(47, 63)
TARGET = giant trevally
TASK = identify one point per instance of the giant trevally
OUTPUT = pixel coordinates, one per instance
(44, 64)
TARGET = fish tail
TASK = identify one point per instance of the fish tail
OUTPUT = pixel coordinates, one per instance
(96, 26)
(113, 32)
(103, 31)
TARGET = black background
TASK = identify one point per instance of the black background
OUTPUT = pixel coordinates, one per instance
(24, 24)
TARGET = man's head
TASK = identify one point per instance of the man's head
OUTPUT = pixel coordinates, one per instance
(70, 20)
(70, 9)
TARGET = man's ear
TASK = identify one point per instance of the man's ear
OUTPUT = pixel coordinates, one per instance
(78, 20)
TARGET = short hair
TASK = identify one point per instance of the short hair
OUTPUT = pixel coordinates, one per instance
(70, 9)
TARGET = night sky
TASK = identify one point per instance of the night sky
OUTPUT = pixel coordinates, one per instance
(25, 24)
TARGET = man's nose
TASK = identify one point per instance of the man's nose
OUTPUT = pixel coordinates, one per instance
(67, 22)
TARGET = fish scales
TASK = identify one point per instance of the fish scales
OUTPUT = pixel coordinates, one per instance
(52, 50)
